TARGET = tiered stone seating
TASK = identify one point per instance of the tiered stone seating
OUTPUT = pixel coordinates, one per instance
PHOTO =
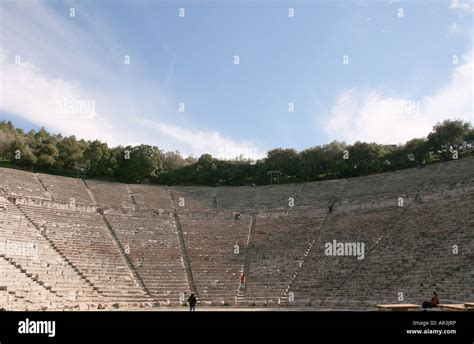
(363, 190)
(382, 190)
(414, 259)
(432, 264)
(406, 249)
(276, 255)
(195, 198)
(65, 189)
(210, 242)
(439, 178)
(152, 244)
(241, 198)
(453, 176)
(404, 183)
(457, 284)
(20, 293)
(320, 194)
(23, 183)
(39, 259)
(110, 194)
(321, 274)
(276, 197)
(84, 239)
(151, 196)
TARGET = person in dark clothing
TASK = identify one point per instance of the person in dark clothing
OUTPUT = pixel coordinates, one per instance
(434, 302)
(192, 302)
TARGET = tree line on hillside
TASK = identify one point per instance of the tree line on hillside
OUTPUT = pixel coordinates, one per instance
(41, 151)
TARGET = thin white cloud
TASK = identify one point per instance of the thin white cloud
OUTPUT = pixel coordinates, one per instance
(55, 103)
(55, 42)
(373, 116)
(51, 102)
(196, 142)
(466, 5)
(461, 26)
(60, 64)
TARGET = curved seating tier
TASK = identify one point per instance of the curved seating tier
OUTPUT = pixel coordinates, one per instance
(137, 244)
(216, 248)
(152, 245)
(85, 240)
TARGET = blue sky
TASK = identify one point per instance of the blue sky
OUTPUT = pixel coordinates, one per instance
(399, 81)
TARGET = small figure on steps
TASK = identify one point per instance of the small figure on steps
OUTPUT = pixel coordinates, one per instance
(243, 279)
(192, 302)
(434, 302)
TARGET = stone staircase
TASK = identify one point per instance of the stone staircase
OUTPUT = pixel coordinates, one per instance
(31, 276)
(241, 292)
(177, 249)
(133, 271)
(184, 249)
(57, 250)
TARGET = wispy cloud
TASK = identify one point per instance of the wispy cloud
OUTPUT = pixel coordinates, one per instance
(27, 92)
(374, 116)
(462, 26)
(196, 141)
(64, 65)
(466, 5)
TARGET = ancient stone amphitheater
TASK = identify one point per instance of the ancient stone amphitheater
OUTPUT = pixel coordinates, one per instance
(82, 244)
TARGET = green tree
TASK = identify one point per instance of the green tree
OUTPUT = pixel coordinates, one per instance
(70, 154)
(7, 137)
(332, 162)
(284, 160)
(45, 149)
(139, 163)
(365, 158)
(20, 153)
(206, 170)
(310, 163)
(418, 150)
(448, 136)
(98, 160)
(173, 161)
